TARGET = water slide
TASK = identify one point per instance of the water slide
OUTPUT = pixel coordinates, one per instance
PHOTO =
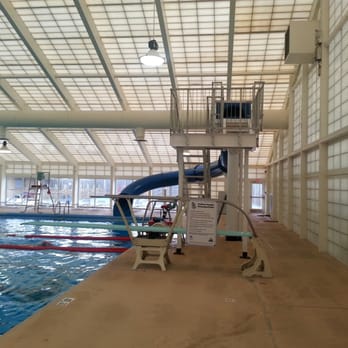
(151, 182)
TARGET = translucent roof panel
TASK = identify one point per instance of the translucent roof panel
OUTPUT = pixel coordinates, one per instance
(50, 62)
(121, 145)
(151, 93)
(14, 155)
(15, 57)
(5, 102)
(38, 93)
(199, 36)
(125, 29)
(92, 93)
(158, 147)
(269, 15)
(38, 144)
(58, 29)
(79, 144)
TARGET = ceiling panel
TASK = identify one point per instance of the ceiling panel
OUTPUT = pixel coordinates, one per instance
(79, 144)
(38, 144)
(62, 68)
(121, 146)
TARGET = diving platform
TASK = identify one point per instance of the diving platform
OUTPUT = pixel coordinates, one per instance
(216, 117)
(213, 140)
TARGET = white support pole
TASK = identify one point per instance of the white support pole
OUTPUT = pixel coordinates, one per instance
(180, 160)
(3, 185)
(323, 147)
(274, 212)
(303, 196)
(290, 159)
(304, 141)
(280, 201)
(75, 193)
(246, 201)
(232, 189)
(241, 188)
(323, 198)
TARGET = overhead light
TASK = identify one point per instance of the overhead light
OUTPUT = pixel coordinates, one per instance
(152, 59)
(186, 153)
(4, 148)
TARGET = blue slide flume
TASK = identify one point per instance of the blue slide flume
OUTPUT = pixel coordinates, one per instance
(169, 179)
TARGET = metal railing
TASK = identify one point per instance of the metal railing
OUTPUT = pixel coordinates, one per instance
(208, 110)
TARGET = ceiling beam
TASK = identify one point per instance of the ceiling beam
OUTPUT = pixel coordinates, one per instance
(23, 150)
(59, 145)
(115, 119)
(101, 51)
(23, 32)
(101, 147)
(193, 74)
(13, 95)
(166, 42)
(230, 46)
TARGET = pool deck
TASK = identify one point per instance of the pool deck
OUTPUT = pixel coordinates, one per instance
(201, 301)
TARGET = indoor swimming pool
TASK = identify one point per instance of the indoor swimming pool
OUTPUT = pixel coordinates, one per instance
(29, 279)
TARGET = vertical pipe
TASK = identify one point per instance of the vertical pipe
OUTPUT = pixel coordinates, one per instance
(323, 147)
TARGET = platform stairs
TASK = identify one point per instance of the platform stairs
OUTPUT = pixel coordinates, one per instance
(38, 190)
(195, 166)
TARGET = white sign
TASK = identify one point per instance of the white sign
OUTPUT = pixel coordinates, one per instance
(201, 222)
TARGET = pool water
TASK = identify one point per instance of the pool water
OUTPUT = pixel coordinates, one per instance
(31, 279)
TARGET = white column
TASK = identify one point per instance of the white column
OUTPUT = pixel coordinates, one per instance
(304, 141)
(181, 178)
(274, 213)
(303, 196)
(3, 185)
(323, 147)
(75, 193)
(232, 189)
(280, 192)
(290, 193)
(290, 159)
(246, 201)
(246, 198)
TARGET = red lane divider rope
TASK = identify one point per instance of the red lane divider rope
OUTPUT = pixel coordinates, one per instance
(52, 236)
(64, 248)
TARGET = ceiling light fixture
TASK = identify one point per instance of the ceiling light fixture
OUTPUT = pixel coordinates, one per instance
(152, 59)
(4, 148)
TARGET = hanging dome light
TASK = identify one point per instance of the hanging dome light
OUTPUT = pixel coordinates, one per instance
(152, 59)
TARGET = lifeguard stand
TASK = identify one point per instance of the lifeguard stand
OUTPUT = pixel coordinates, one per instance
(37, 190)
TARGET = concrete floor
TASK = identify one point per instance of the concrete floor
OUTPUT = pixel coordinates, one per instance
(202, 301)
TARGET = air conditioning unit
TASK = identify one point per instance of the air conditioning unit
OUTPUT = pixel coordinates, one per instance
(300, 42)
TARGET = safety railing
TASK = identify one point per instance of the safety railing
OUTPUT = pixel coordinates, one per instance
(217, 110)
